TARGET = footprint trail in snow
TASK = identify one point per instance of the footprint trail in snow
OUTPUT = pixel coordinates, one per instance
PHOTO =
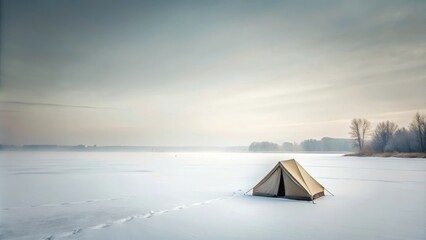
(137, 216)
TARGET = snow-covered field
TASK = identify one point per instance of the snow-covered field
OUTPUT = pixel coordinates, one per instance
(137, 195)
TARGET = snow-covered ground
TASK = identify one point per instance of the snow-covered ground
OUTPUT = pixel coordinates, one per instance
(137, 195)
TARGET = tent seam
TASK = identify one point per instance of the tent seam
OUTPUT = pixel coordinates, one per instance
(297, 166)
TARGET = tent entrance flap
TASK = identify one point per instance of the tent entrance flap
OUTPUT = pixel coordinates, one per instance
(281, 188)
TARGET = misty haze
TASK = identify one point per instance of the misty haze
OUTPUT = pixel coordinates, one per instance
(269, 119)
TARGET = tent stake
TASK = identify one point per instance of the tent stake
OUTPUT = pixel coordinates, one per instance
(329, 192)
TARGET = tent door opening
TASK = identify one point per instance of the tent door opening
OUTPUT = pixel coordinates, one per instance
(281, 189)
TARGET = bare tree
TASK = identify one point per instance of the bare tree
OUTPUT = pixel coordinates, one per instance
(418, 127)
(403, 141)
(360, 128)
(383, 134)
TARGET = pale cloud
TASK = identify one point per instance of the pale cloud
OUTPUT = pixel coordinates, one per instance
(211, 73)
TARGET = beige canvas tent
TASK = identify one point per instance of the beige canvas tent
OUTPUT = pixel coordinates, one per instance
(289, 179)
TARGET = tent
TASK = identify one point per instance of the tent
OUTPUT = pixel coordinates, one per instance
(290, 180)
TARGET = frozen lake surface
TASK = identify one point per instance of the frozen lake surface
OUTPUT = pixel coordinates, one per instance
(139, 195)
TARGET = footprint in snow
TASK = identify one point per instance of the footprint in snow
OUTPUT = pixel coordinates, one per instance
(76, 231)
(72, 233)
(179, 207)
(149, 215)
(162, 211)
(100, 226)
(123, 220)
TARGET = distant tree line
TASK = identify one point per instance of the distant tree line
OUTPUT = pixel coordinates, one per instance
(325, 144)
(328, 144)
(388, 137)
(264, 147)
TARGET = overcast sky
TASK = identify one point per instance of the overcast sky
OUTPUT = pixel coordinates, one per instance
(206, 72)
